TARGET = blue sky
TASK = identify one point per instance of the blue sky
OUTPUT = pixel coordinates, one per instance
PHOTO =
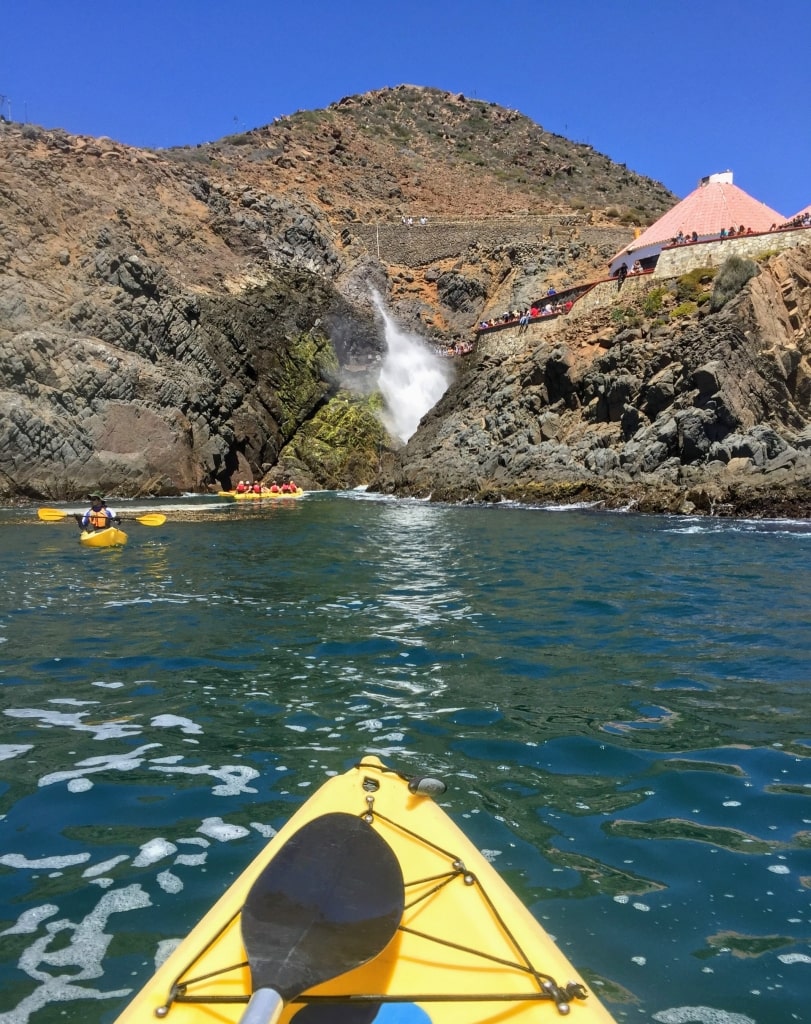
(675, 89)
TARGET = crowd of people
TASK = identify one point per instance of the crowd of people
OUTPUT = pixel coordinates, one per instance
(246, 487)
(802, 220)
(456, 348)
(525, 316)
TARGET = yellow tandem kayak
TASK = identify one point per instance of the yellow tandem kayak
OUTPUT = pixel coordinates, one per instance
(369, 905)
(261, 496)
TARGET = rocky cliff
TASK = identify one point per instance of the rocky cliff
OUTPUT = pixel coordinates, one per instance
(175, 320)
(659, 405)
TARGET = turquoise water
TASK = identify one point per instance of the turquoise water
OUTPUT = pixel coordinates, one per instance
(620, 706)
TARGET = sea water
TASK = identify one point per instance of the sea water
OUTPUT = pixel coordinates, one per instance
(619, 705)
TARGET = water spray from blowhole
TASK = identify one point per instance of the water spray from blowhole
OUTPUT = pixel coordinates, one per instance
(412, 377)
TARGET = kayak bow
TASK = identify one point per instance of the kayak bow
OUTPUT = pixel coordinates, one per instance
(464, 950)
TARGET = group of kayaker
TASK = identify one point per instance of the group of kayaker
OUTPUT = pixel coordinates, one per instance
(246, 487)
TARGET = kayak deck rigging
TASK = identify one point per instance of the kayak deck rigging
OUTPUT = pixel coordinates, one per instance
(420, 892)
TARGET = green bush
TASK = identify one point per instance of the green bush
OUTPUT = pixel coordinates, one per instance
(684, 309)
(690, 286)
(653, 300)
(732, 276)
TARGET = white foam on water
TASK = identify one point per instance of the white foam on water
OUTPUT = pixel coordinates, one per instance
(794, 958)
(700, 1015)
(234, 778)
(60, 971)
(192, 860)
(185, 725)
(17, 860)
(216, 828)
(169, 882)
(9, 750)
(119, 762)
(779, 869)
(153, 851)
(268, 831)
(79, 785)
(195, 841)
(101, 730)
(104, 866)
(165, 949)
(29, 921)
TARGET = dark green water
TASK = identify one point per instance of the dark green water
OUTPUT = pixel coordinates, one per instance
(620, 706)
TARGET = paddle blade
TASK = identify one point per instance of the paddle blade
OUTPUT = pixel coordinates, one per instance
(52, 515)
(152, 519)
(330, 900)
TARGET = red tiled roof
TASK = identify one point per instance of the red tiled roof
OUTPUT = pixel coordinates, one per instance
(710, 207)
(801, 213)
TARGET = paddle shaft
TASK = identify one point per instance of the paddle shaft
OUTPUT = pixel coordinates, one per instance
(265, 1007)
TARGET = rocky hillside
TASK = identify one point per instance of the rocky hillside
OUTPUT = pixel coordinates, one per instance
(177, 319)
(413, 151)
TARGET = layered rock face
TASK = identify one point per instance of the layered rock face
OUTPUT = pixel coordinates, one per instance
(707, 414)
(157, 333)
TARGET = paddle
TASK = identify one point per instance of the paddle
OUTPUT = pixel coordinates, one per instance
(54, 515)
(330, 900)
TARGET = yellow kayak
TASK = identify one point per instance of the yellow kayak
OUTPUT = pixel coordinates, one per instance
(369, 905)
(110, 538)
(263, 495)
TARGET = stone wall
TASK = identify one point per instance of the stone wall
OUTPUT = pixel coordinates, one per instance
(684, 258)
(421, 245)
(609, 291)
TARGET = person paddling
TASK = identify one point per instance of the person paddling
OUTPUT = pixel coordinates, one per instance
(98, 516)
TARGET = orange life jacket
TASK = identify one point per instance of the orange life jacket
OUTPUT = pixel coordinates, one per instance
(98, 519)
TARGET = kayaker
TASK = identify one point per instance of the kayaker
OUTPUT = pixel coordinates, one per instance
(241, 488)
(98, 516)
